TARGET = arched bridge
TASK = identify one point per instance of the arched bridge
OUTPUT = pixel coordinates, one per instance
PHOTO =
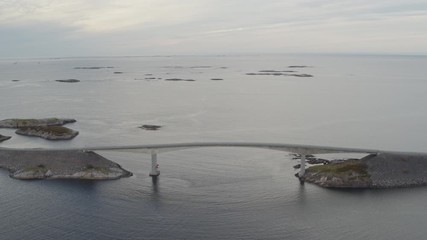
(155, 149)
(302, 150)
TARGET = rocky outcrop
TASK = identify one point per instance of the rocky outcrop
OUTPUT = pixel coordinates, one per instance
(4, 138)
(48, 132)
(33, 164)
(384, 170)
(19, 123)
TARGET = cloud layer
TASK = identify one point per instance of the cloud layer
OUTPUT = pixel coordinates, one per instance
(146, 27)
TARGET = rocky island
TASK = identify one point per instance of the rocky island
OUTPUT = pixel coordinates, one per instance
(48, 132)
(47, 128)
(60, 164)
(383, 170)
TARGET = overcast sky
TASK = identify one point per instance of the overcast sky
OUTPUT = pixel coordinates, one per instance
(47, 28)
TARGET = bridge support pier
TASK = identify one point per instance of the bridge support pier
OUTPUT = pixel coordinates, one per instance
(154, 165)
(302, 168)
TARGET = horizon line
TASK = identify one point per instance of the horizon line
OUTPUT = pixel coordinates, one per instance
(222, 55)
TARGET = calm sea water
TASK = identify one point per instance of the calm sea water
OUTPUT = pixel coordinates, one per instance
(216, 193)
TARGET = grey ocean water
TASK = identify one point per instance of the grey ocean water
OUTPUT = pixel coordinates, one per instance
(375, 102)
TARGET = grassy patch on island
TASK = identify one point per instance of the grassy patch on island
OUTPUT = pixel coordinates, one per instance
(355, 166)
(37, 169)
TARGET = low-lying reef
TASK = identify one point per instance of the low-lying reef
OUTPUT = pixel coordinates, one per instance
(383, 170)
(279, 74)
(71, 80)
(92, 68)
(298, 66)
(179, 79)
(70, 164)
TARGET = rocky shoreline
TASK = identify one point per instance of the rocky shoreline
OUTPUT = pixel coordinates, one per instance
(383, 170)
(64, 164)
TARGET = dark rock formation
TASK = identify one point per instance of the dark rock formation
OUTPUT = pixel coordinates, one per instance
(217, 79)
(48, 132)
(72, 80)
(19, 123)
(4, 138)
(150, 127)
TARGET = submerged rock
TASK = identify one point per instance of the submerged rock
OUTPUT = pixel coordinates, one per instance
(4, 138)
(48, 132)
(150, 127)
(19, 122)
(217, 79)
(118, 72)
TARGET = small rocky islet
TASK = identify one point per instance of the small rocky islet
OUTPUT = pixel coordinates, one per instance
(150, 127)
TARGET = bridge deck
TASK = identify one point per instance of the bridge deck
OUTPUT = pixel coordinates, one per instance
(159, 148)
